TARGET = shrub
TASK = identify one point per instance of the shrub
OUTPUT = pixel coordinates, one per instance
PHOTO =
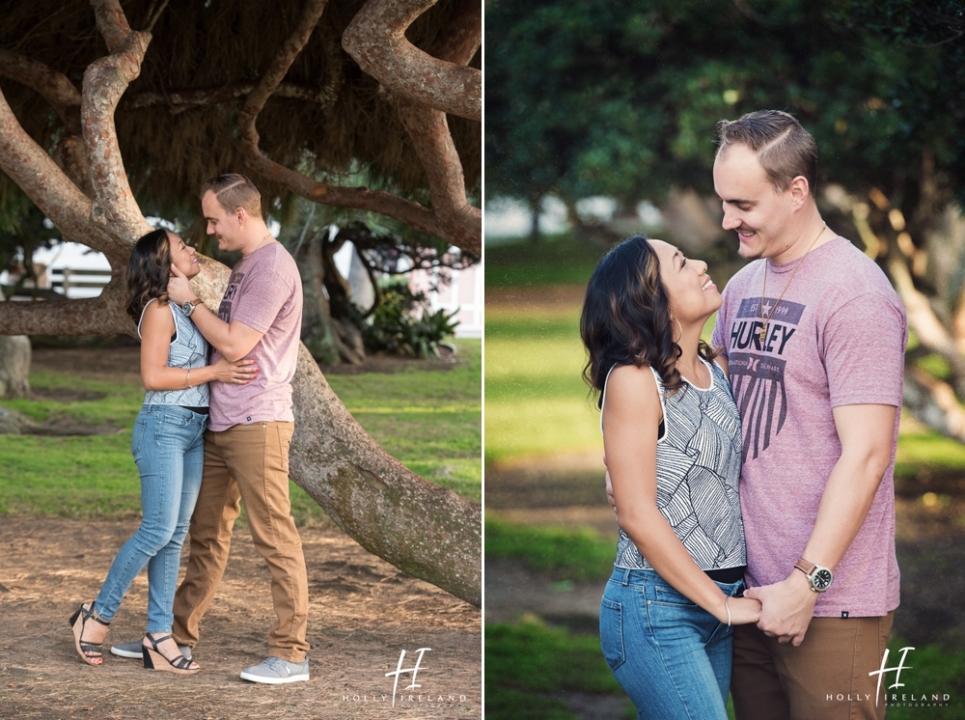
(403, 323)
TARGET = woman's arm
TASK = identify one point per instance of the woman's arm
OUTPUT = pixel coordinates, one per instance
(631, 418)
(157, 327)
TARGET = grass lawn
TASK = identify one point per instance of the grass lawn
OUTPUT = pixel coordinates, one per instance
(429, 421)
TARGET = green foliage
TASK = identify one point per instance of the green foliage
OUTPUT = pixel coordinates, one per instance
(525, 661)
(567, 553)
(403, 323)
(590, 97)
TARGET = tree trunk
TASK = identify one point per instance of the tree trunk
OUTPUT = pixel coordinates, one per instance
(14, 366)
(326, 337)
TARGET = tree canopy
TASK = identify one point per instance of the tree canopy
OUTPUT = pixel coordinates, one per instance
(621, 99)
(184, 116)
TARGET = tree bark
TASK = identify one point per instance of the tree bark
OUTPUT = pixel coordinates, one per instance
(376, 40)
(14, 366)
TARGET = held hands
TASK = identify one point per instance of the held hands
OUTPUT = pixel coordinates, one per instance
(743, 611)
(787, 608)
(179, 288)
(239, 372)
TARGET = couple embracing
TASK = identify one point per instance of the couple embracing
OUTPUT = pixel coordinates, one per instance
(227, 420)
(753, 484)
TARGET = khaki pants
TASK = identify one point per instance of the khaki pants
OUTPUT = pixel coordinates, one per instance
(250, 463)
(825, 678)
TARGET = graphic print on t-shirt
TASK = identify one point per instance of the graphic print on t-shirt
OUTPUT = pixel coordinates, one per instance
(757, 370)
(234, 282)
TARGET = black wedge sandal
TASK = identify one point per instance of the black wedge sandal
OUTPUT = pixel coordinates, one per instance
(154, 659)
(88, 651)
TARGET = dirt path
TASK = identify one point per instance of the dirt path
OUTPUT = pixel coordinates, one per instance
(363, 614)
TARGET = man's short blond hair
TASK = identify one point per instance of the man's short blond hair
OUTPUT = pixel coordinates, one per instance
(234, 191)
(784, 148)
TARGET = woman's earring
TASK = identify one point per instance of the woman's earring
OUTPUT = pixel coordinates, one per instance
(679, 327)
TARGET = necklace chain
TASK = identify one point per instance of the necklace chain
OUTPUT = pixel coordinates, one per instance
(767, 320)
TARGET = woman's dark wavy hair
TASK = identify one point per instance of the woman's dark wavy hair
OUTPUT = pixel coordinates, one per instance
(148, 272)
(626, 317)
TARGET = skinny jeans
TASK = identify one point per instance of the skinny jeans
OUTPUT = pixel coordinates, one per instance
(168, 448)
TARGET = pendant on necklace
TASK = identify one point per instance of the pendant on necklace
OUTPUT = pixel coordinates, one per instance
(763, 333)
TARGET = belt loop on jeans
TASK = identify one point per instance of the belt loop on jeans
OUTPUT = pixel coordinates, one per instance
(626, 576)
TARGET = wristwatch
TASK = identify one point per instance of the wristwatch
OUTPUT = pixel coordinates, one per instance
(819, 576)
(189, 307)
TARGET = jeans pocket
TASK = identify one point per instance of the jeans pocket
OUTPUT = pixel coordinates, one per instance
(611, 633)
(137, 436)
(666, 595)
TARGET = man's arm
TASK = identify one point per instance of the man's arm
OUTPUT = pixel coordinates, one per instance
(234, 341)
(866, 433)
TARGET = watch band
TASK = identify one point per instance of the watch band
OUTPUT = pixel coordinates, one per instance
(819, 577)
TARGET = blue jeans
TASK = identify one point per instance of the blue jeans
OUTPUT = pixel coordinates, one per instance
(168, 447)
(670, 656)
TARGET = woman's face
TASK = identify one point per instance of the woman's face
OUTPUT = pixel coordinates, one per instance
(693, 295)
(183, 257)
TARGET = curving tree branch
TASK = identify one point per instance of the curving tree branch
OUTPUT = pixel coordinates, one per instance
(50, 189)
(376, 40)
(411, 213)
(429, 131)
(55, 87)
(105, 81)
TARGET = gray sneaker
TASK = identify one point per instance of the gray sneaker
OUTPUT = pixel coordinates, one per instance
(133, 650)
(275, 671)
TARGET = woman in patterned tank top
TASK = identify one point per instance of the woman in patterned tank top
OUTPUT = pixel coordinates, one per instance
(672, 438)
(167, 443)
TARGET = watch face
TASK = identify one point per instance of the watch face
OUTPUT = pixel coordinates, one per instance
(821, 580)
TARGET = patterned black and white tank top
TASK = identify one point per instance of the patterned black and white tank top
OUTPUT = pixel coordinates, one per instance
(189, 349)
(698, 470)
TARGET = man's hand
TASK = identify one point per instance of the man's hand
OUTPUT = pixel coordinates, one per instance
(179, 288)
(787, 608)
(609, 489)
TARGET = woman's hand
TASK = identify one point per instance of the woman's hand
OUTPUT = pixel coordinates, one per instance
(239, 372)
(743, 610)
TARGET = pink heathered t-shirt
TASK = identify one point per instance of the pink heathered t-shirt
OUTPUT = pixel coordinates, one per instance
(265, 293)
(837, 338)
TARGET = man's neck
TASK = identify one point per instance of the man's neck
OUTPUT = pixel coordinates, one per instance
(258, 239)
(813, 234)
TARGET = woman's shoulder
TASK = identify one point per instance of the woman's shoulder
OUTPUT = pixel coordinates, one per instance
(156, 315)
(632, 378)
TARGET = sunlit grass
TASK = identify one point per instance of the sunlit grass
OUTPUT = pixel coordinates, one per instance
(429, 421)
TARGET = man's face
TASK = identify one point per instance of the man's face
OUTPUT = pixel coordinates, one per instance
(224, 226)
(752, 206)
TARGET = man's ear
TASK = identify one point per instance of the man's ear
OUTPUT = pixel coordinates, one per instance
(242, 216)
(800, 190)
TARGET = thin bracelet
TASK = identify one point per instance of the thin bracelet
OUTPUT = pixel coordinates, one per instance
(727, 608)
(188, 378)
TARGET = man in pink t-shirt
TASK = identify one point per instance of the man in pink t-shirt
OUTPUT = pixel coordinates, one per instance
(814, 337)
(250, 430)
